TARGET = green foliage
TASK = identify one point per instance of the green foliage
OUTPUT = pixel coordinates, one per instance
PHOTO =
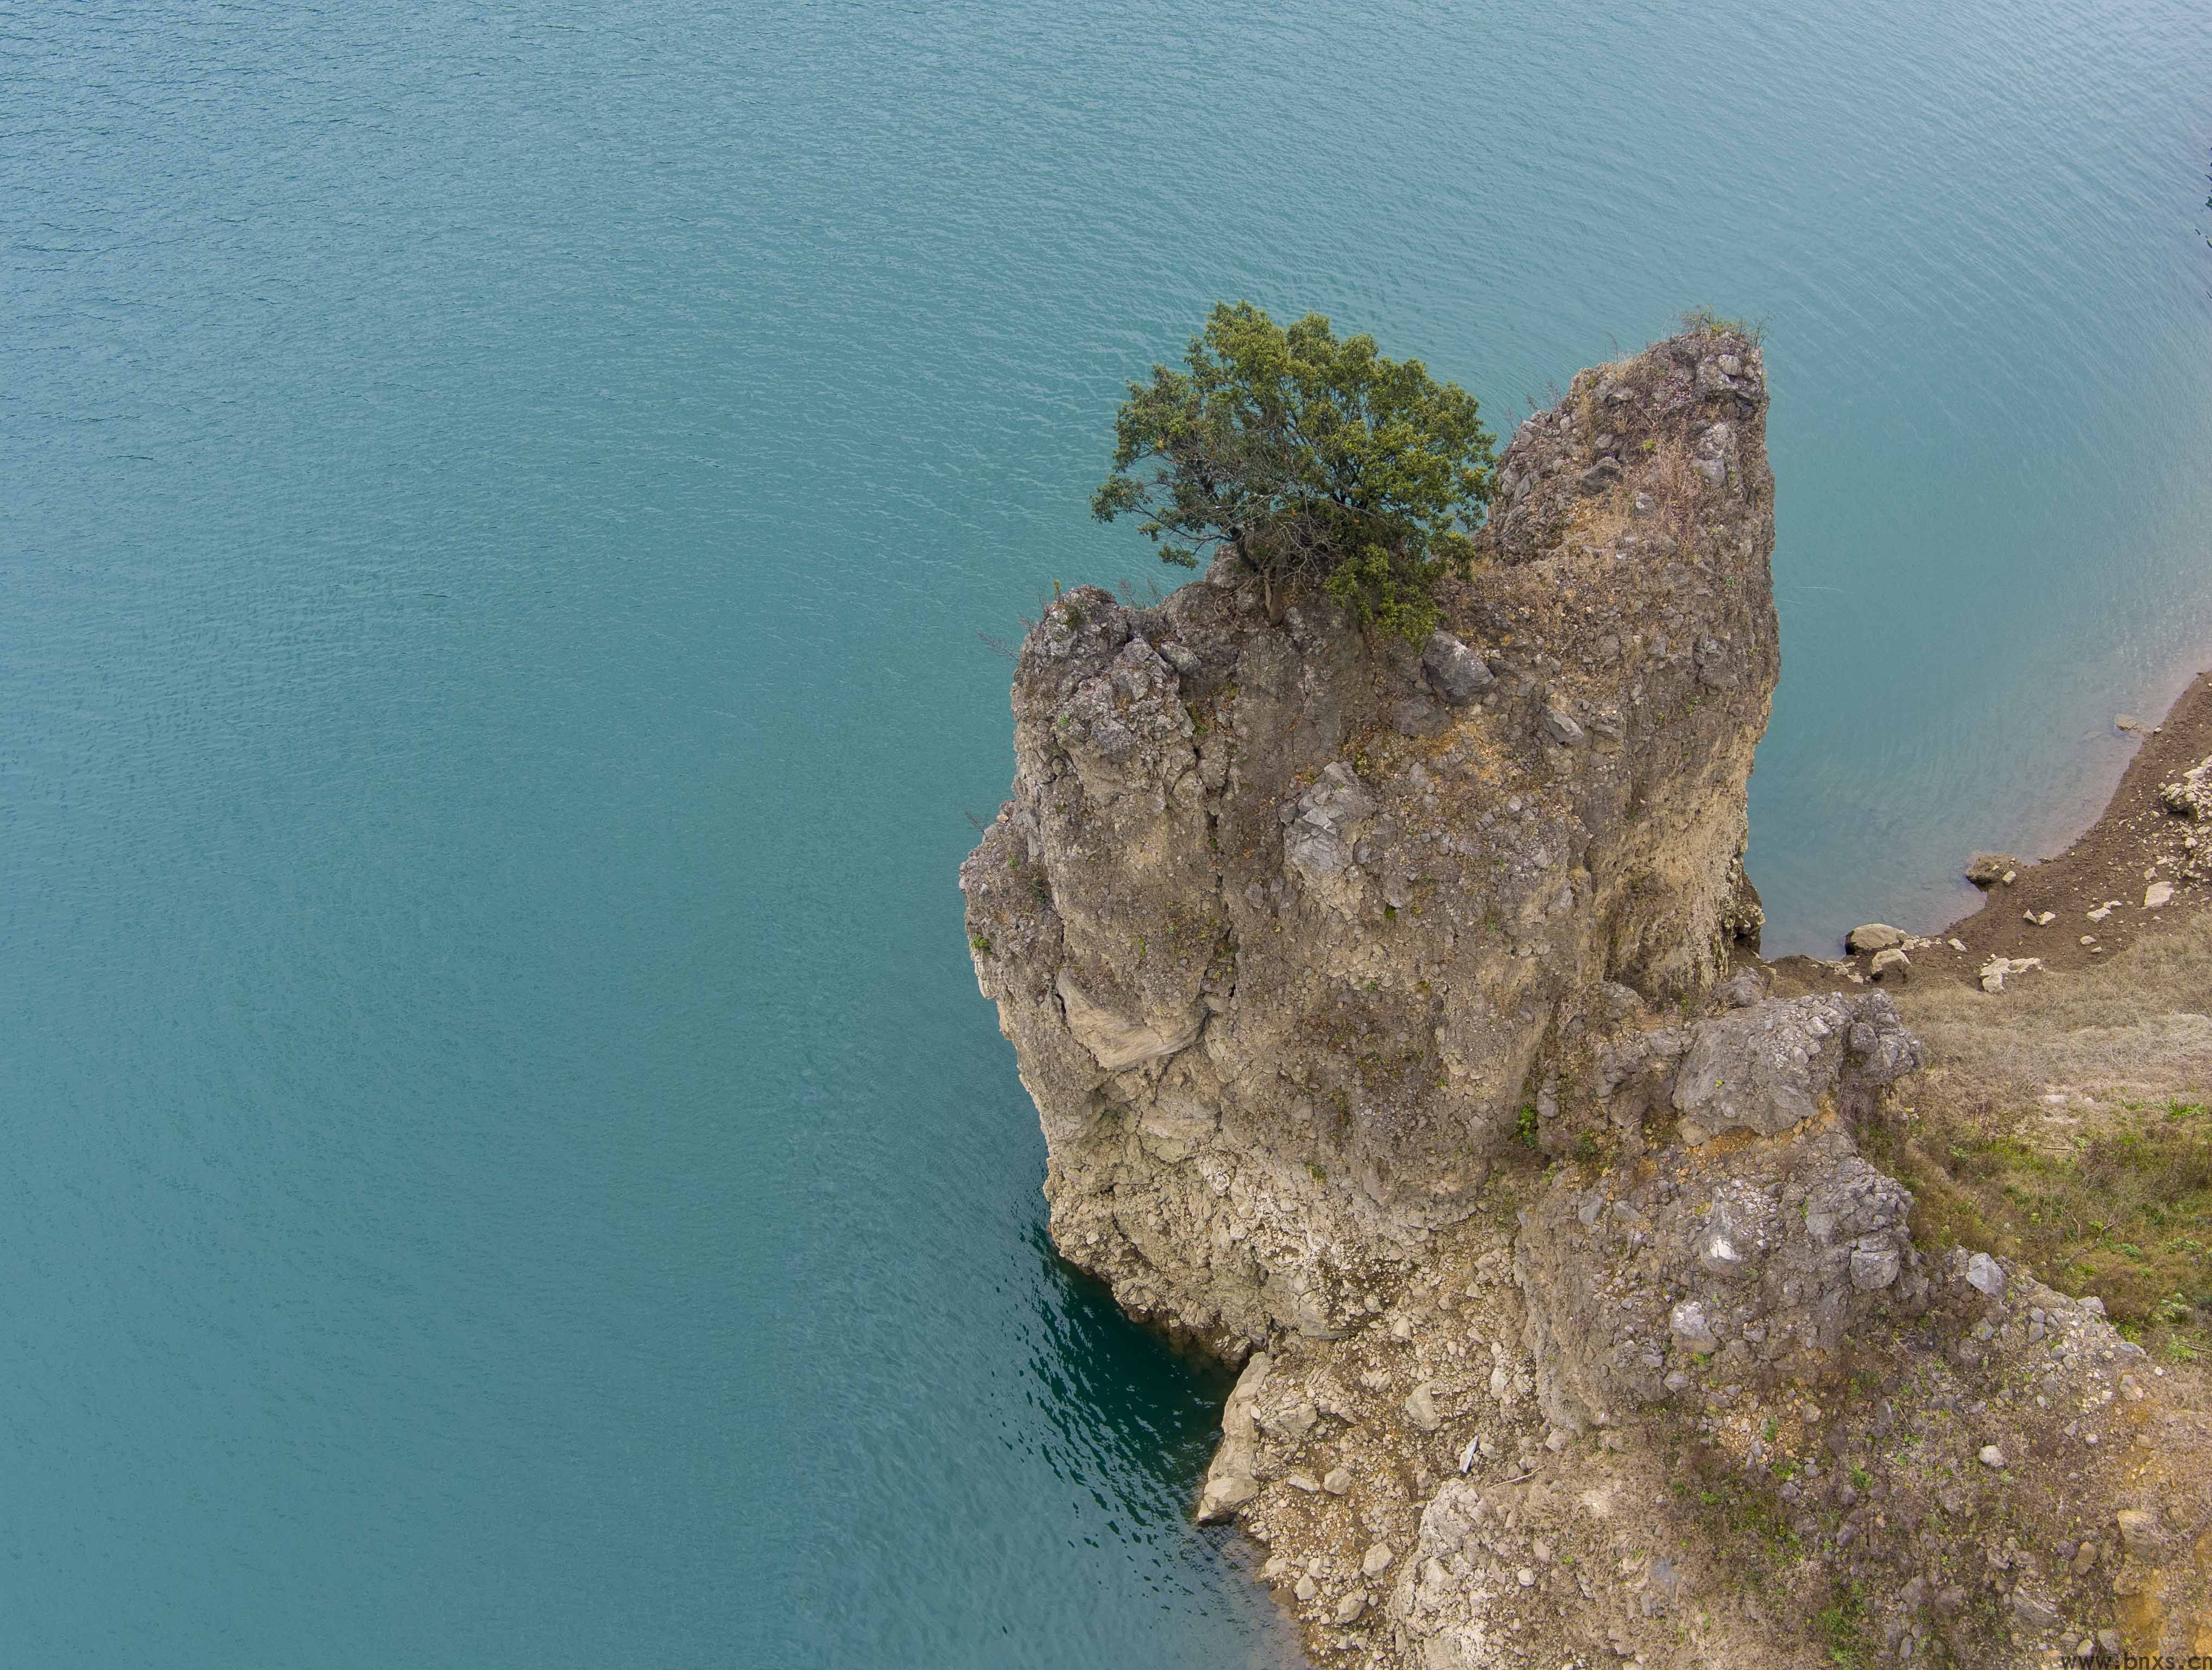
(1706, 322)
(1314, 459)
(2120, 1212)
(1842, 1622)
(1385, 594)
(1524, 1126)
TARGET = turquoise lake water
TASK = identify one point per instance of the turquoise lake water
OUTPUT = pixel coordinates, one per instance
(506, 1165)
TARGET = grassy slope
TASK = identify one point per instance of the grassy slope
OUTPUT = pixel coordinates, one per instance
(2067, 1122)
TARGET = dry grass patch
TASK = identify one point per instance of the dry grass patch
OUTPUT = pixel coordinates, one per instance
(2067, 1122)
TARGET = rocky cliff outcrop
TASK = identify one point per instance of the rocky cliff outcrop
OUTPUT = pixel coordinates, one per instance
(1371, 1001)
(1289, 927)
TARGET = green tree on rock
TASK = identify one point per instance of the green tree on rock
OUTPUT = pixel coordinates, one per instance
(1316, 461)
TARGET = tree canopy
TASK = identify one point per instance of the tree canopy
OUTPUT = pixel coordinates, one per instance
(1314, 460)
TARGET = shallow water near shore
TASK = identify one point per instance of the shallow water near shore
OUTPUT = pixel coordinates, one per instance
(508, 1163)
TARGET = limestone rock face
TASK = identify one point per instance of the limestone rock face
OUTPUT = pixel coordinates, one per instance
(1284, 923)
(1771, 1065)
(1773, 1264)
(1299, 937)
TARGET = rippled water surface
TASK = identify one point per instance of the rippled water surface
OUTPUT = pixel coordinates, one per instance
(506, 1164)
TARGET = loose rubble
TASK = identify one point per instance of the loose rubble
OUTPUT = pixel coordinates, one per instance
(1994, 971)
(1991, 869)
(2191, 794)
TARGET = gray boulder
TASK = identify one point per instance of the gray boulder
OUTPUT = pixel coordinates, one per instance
(1985, 1276)
(1873, 936)
(1743, 988)
(1767, 1067)
(1319, 823)
(1785, 1249)
(1601, 476)
(1691, 1329)
(1455, 671)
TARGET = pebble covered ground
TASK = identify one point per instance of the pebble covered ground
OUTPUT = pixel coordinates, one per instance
(2145, 857)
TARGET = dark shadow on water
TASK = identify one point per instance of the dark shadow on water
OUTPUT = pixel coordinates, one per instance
(1134, 1422)
(1121, 1398)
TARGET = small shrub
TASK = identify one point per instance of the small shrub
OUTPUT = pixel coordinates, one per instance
(1842, 1625)
(1524, 1124)
(1706, 322)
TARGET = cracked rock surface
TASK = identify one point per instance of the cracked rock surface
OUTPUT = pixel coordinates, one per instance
(1376, 1003)
(1282, 921)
